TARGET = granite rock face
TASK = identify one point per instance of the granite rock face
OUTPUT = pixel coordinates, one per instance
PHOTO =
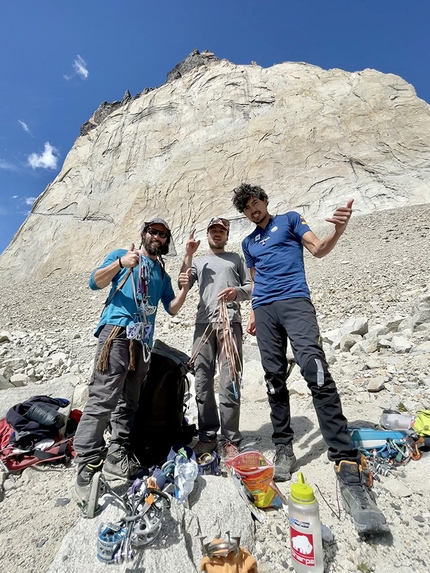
(311, 137)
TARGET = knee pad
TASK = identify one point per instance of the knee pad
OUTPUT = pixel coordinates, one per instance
(316, 373)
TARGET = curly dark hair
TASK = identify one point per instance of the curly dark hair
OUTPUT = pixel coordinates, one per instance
(245, 192)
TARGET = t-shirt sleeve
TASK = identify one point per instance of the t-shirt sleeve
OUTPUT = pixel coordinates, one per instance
(298, 224)
(248, 259)
(167, 294)
(111, 257)
(244, 290)
(194, 274)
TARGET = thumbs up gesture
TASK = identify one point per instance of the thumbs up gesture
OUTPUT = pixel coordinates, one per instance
(184, 279)
(131, 258)
(342, 216)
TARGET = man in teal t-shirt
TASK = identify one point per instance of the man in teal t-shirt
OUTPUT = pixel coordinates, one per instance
(138, 282)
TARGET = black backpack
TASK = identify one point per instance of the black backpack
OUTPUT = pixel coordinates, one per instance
(160, 420)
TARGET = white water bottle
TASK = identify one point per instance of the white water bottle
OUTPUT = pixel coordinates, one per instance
(392, 420)
(305, 528)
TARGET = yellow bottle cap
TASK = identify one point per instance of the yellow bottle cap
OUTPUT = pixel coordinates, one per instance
(302, 492)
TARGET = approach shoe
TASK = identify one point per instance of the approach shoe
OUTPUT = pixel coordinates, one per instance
(358, 500)
(285, 462)
(122, 464)
(86, 489)
(205, 447)
(228, 451)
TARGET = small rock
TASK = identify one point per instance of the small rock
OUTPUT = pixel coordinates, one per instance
(376, 384)
(419, 518)
(62, 501)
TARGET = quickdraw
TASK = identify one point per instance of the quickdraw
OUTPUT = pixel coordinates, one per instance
(395, 453)
(144, 309)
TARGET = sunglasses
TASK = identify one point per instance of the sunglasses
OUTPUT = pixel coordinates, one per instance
(155, 232)
(219, 220)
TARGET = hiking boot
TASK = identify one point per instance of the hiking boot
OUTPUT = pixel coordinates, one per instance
(205, 447)
(122, 464)
(86, 489)
(358, 500)
(229, 450)
(285, 462)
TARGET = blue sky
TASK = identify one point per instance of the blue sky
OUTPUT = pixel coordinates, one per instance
(60, 60)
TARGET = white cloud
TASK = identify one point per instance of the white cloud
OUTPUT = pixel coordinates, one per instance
(25, 127)
(46, 160)
(14, 196)
(7, 166)
(29, 200)
(79, 68)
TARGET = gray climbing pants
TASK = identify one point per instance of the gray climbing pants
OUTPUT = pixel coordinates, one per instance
(113, 396)
(209, 421)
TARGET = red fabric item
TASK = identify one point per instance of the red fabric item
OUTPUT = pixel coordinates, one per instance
(6, 431)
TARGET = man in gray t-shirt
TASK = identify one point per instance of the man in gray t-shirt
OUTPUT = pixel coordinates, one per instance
(219, 274)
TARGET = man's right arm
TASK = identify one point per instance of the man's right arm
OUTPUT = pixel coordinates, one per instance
(103, 276)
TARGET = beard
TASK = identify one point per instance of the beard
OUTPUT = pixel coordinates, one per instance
(153, 247)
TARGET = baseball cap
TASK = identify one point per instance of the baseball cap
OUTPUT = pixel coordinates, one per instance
(224, 223)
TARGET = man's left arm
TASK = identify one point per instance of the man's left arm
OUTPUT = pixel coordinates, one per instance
(176, 303)
(321, 247)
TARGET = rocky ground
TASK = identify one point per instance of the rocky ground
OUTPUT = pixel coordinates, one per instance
(372, 300)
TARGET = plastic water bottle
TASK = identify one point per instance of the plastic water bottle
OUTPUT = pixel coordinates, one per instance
(392, 420)
(305, 528)
(186, 471)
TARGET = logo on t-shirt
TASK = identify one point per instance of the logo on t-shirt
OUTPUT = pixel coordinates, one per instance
(302, 219)
(274, 229)
(257, 238)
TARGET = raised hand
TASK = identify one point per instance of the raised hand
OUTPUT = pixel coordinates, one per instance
(184, 279)
(191, 245)
(131, 258)
(342, 216)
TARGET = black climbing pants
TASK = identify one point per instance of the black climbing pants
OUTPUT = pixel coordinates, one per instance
(295, 319)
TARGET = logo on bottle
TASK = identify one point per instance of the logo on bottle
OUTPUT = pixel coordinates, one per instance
(302, 547)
